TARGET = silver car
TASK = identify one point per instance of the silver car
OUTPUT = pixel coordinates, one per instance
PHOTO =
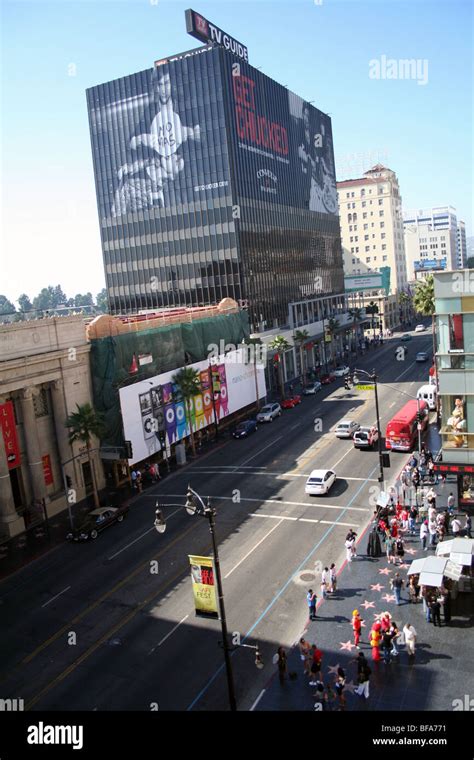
(311, 389)
(346, 428)
(268, 413)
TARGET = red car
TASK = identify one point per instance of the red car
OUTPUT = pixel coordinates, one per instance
(326, 379)
(287, 403)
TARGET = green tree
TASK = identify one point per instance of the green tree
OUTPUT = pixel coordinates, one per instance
(424, 302)
(6, 306)
(84, 300)
(300, 337)
(372, 309)
(102, 301)
(470, 262)
(331, 329)
(83, 425)
(190, 384)
(25, 303)
(280, 345)
(59, 296)
(356, 316)
(405, 302)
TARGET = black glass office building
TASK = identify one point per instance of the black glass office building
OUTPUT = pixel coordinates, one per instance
(213, 180)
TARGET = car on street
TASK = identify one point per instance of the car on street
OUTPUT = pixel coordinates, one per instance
(406, 337)
(421, 356)
(320, 482)
(269, 412)
(96, 521)
(328, 378)
(346, 428)
(244, 428)
(420, 328)
(341, 371)
(289, 403)
(366, 437)
(312, 388)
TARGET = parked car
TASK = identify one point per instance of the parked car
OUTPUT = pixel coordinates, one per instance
(244, 428)
(320, 482)
(328, 378)
(269, 412)
(420, 328)
(346, 428)
(341, 371)
(312, 388)
(406, 337)
(422, 356)
(366, 437)
(96, 521)
(287, 403)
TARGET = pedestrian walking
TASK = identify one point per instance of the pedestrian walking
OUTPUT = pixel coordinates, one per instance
(311, 598)
(356, 627)
(305, 655)
(400, 551)
(339, 686)
(281, 665)
(410, 638)
(394, 634)
(432, 532)
(435, 611)
(386, 647)
(133, 475)
(385, 622)
(139, 481)
(330, 697)
(468, 526)
(349, 549)
(332, 579)
(413, 590)
(451, 502)
(375, 639)
(390, 548)
(424, 533)
(413, 514)
(316, 663)
(363, 677)
(324, 582)
(397, 584)
(456, 527)
(447, 606)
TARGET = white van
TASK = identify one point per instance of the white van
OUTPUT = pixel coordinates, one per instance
(428, 394)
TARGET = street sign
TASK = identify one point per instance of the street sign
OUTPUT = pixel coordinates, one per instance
(365, 387)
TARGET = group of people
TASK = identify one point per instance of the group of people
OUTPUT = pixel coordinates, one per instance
(152, 474)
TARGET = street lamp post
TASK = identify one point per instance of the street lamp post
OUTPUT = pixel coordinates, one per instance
(373, 377)
(195, 506)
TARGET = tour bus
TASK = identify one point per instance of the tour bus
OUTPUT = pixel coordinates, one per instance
(428, 394)
(401, 433)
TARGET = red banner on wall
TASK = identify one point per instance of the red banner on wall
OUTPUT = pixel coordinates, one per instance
(7, 423)
(47, 470)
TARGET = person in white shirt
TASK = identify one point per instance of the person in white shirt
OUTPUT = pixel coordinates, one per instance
(410, 638)
(432, 532)
(324, 582)
(424, 533)
(451, 502)
(455, 526)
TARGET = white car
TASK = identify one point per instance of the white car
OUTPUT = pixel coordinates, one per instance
(268, 413)
(320, 482)
(420, 328)
(341, 371)
(365, 437)
(346, 428)
(311, 389)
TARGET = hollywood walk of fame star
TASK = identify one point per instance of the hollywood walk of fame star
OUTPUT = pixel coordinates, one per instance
(376, 587)
(410, 551)
(362, 623)
(385, 571)
(333, 669)
(351, 686)
(389, 597)
(378, 615)
(403, 566)
(347, 645)
(367, 604)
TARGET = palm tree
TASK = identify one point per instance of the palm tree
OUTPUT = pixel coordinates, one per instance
(83, 425)
(372, 309)
(332, 327)
(404, 300)
(189, 382)
(280, 345)
(300, 337)
(356, 316)
(424, 302)
(255, 342)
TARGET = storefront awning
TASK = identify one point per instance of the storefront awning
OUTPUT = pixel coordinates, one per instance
(459, 550)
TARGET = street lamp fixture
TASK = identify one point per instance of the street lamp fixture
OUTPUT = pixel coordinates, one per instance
(373, 377)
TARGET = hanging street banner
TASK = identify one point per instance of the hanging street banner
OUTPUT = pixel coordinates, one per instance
(204, 589)
(10, 439)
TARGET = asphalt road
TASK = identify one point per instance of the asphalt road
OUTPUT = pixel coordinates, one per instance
(110, 625)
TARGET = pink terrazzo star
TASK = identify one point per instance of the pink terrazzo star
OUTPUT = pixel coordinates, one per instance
(376, 587)
(403, 566)
(385, 571)
(378, 615)
(410, 551)
(333, 669)
(388, 597)
(347, 645)
(362, 623)
(367, 604)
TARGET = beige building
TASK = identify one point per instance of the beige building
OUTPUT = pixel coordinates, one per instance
(372, 225)
(429, 249)
(44, 373)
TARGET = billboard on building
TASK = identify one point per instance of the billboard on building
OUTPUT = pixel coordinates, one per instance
(362, 282)
(155, 415)
(157, 137)
(283, 146)
(425, 264)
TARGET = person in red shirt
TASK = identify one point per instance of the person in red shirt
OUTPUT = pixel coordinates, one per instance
(316, 665)
(394, 529)
(356, 627)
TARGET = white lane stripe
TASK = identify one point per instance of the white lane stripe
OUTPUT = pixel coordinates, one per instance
(273, 517)
(225, 467)
(348, 525)
(150, 530)
(280, 475)
(257, 700)
(307, 519)
(341, 458)
(404, 373)
(260, 452)
(277, 501)
(168, 634)
(302, 519)
(55, 597)
(253, 549)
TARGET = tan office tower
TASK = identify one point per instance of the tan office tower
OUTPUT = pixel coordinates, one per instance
(372, 225)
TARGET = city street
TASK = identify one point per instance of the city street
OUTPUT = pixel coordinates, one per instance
(95, 627)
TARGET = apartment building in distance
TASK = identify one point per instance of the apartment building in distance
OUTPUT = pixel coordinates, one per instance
(434, 241)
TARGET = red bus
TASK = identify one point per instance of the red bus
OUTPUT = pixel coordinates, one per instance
(401, 433)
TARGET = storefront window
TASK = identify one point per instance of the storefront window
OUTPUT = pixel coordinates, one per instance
(467, 489)
(454, 422)
(456, 333)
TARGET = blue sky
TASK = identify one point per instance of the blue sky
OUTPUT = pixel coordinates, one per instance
(53, 51)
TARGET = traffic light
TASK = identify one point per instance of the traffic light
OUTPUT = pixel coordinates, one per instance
(68, 481)
(128, 450)
(419, 416)
(347, 383)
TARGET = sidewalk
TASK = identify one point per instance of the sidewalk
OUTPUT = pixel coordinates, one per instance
(441, 671)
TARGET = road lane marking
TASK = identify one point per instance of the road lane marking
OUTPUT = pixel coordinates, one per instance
(55, 597)
(257, 700)
(150, 530)
(289, 503)
(344, 455)
(303, 519)
(273, 517)
(348, 525)
(253, 548)
(308, 519)
(226, 467)
(273, 601)
(280, 475)
(168, 634)
(259, 452)
(404, 373)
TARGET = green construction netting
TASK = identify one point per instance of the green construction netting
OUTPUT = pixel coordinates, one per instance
(170, 348)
